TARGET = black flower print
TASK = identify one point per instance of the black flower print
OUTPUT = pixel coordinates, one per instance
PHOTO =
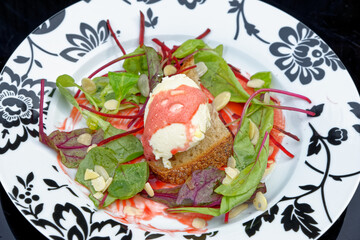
(89, 39)
(336, 136)
(191, 4)
(301, 54)
(17, 106)
(19, 109)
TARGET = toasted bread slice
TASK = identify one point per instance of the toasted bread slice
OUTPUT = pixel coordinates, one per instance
(214, 150)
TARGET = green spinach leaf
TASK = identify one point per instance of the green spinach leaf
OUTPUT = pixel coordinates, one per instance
(129, 180)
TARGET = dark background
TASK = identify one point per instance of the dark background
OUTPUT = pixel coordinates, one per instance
(337, 22)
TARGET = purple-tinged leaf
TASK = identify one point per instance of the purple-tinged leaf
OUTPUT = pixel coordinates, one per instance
(197, 191)
(70, 150)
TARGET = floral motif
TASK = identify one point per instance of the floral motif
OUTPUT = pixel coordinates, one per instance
(191, 4)
(238, 8)
(19, 109)
(82, 227)
(89, 39)
(301, 54)
(298, 214)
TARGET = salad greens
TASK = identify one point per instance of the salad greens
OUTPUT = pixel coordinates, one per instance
(205, 192)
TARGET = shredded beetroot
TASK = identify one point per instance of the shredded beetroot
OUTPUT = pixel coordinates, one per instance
(111, 115)
(286, 133)
(142, 110)
(204, 34)
(41, 110)
(226, 220)
(107, 140)
(115, 38)
(185, 69)
(281, 147)
(142, 29)
(77, 94)
(112, 62)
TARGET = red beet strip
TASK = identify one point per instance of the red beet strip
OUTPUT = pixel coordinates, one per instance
(185, 69)
(115, 38)
(41, 110)
(204, 34)
(110, 115)
(281, 147)
(226, 220)
(142, 29)
(286, 133)
(107, 140)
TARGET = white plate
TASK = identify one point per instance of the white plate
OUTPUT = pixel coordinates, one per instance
(306, 194)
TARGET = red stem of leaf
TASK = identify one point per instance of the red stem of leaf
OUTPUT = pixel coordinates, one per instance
(101, 204)
(269, 90)
(142, 29)
(41, 110)
(112, 62)
(112, 138)
(292, 109)
(281, 147)
(286, 133)
(110, 115)
(115, 38)
(204, 34)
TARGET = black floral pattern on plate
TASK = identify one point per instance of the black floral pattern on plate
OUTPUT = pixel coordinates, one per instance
(19, 109)
(89, 39)
(298, 214)
(191, 4)
(238, 8)
(355, 109)
(302, 54)
(79, 220)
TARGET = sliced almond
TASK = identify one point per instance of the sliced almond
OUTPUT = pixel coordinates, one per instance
(111, 104)
(143, 85)
(169, 70)
(107, 184)
(253, 133)
(84, 139)
(91, 147)
(98, 184)
(231, 162)
(232, 172)
(221, 100)
(267, 98)
(98, 195)
(260, 202)
(131, 211)
(201, 68)
(90, 174)
(101, 171)
(237, 210)
(88, 85)
(149, 189)
(227, 180)
(199, 223)
(255, 83)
